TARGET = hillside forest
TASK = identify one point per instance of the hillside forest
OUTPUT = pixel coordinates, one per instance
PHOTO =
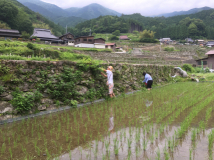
(199, 25)
(15, 15)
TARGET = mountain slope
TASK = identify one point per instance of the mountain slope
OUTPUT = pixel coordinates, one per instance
(72, 10)
(50, 7)
(25, 19)
(93, 10)
(69, 21)
(191, 11)
(39, 9)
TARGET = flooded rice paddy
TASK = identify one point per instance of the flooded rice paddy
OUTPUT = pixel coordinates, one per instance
(173, 122)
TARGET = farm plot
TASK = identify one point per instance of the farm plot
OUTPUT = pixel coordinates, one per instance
(172, 122)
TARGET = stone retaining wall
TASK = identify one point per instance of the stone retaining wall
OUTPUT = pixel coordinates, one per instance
(75, 82)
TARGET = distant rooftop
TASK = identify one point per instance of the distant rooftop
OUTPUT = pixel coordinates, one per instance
(124, 37)
(210, 52)
(9, 30)
(110, 44)
(43, 34)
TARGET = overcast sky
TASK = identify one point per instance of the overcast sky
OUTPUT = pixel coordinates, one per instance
(145, 7)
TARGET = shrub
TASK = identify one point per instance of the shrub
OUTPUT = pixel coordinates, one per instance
(116, 33)
(74, 103)
(188, 68)
(23, 102)
(34, 37)
(25, 35)
(147, 34)
(148, 40)
(113, 37)
(207, 70)
(169, 49)
(31, 46)
(1, 90)
(197, 70)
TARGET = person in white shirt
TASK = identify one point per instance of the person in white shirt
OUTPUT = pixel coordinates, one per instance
(110, 82)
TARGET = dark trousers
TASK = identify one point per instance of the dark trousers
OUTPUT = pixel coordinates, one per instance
(149, 84)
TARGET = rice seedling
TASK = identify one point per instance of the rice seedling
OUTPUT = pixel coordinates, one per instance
(90, 123)
(190, 154)
(11, 153)
(193, 135)
(129, 140)
(3, 148)
(158, 154)
(145, 144)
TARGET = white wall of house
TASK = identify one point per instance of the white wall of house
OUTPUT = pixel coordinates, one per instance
(109, 47)
(100, 45)
(70, 43)
(84, 45)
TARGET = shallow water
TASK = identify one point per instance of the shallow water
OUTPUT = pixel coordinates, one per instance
(85, 133)
(97, 149)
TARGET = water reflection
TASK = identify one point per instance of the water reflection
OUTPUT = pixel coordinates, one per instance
(111, 121)
(130, 147)
(148, 103)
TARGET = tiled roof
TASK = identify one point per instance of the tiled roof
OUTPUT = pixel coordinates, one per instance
(9, 31)
(43, 33)
(124, 37)
(110, 44)
(66, 34)
(210, 42)
(210, 52)
(85, 37)
(99, 38)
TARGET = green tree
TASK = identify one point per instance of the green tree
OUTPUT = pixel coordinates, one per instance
(8, 12)
(147, 34)
(116, 33)
(212, 15)
(135, 32)
(25, 35)
(4, 26)
(113, 37)
(193, 30)
(25, 25)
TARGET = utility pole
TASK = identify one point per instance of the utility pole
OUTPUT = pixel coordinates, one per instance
(66, 29)
(90, 32)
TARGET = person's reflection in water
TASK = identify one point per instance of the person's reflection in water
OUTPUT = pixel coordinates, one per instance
(111, 121)
(148, 103)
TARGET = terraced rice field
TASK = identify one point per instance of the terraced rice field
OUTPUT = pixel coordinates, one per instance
(172, 122)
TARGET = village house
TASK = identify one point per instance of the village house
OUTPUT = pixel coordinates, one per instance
(9, 33)
(189, 40)
(208, 61)
(84, 41)
(99, 43)
(200, 42)
(89, 42)
(124, 37)
(210, 44)
(68, 39)
(166, 40)
(111, 46)
(45, 35)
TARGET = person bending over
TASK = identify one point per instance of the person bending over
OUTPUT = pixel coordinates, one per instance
(110, 82)
(148, 80)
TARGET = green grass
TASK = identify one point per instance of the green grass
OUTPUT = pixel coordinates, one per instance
(16, 50)
(204, 76)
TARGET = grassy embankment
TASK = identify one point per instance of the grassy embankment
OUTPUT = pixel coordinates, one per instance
(16, 50)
